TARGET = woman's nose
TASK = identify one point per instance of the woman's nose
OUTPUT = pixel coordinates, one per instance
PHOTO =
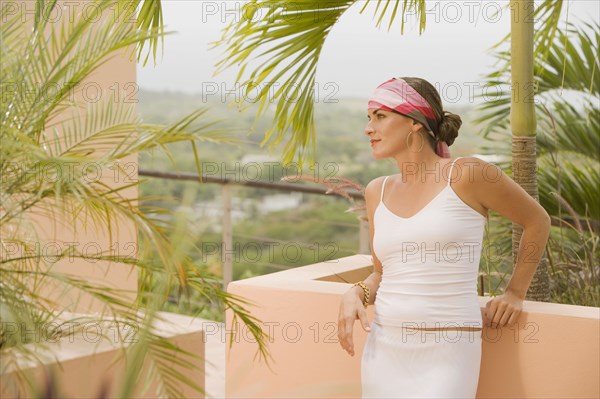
(368, 129)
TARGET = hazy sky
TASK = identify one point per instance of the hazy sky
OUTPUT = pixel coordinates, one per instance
(452, 53)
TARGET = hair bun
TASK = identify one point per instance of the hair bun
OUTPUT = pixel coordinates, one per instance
(448, 127)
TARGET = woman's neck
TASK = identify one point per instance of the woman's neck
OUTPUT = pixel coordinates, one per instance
(420, 168)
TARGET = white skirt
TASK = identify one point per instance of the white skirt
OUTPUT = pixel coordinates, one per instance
(403, 363)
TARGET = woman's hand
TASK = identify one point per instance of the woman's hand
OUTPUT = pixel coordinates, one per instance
(351, 308)
(503, 310)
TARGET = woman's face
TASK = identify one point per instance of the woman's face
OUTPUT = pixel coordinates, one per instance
(387, 132)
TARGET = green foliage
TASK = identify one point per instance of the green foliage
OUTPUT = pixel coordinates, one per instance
(298, 31)
(568, 133)
(570, 65)
(319, 231)
(568, 138)
(575, 270)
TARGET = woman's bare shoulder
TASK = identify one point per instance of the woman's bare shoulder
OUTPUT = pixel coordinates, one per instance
(466, 180)
(488, 187)
(469, 170)
(374, 186)
(373, 189)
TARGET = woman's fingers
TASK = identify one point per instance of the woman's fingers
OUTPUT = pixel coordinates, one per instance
(513, 318)
(362, 315)
(490, 312)
(345, 329)
(350, 311)
(504, 319)
(341, 330)
(500, 311)
(348, 330)
(503, 310)
(345, 333)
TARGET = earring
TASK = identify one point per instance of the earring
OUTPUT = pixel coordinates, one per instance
(407, 146)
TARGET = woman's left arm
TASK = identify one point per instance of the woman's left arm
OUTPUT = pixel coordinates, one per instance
(496, 191)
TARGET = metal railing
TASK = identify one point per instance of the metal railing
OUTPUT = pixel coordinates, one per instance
(227, 233)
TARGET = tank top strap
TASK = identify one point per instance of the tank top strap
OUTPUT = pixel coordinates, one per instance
(383, 188)
(450, 174)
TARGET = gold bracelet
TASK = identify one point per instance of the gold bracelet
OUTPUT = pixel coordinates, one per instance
(366, 291)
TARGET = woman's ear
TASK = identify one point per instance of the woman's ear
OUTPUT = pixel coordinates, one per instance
(416, 126)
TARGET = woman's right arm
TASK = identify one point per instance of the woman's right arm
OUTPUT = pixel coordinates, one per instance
(351, 307)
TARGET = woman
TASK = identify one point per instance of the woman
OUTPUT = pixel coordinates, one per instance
(426, 226)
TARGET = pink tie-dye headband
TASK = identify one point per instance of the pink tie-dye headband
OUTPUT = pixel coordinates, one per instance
(397, 95)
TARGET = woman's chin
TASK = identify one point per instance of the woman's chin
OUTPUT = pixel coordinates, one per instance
(377, 155)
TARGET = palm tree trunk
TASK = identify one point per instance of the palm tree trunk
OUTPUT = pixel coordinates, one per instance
(523, 126)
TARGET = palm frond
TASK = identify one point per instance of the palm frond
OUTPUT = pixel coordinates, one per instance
(296, 32)
(413, 6)
(148, 19)
(64, 61)
(285, 39)
(571, 128)
(576, 181)
(571, 65)
(546, 16)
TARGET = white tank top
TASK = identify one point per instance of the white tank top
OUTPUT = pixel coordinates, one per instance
(430, 263)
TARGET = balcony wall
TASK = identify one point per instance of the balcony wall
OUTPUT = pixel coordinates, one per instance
(553, 351)
(83, 364)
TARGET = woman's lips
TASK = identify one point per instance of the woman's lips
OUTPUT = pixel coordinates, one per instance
(374, 141)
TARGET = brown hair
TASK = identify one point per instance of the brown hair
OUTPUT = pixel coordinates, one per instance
(446, 123)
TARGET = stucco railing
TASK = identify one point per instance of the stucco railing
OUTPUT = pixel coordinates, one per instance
(553, 351)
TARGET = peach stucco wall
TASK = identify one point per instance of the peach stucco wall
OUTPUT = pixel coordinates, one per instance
(87, 363)
(55, 233)
(554, 352)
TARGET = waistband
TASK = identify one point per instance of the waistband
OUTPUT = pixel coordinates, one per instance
(412, 324)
